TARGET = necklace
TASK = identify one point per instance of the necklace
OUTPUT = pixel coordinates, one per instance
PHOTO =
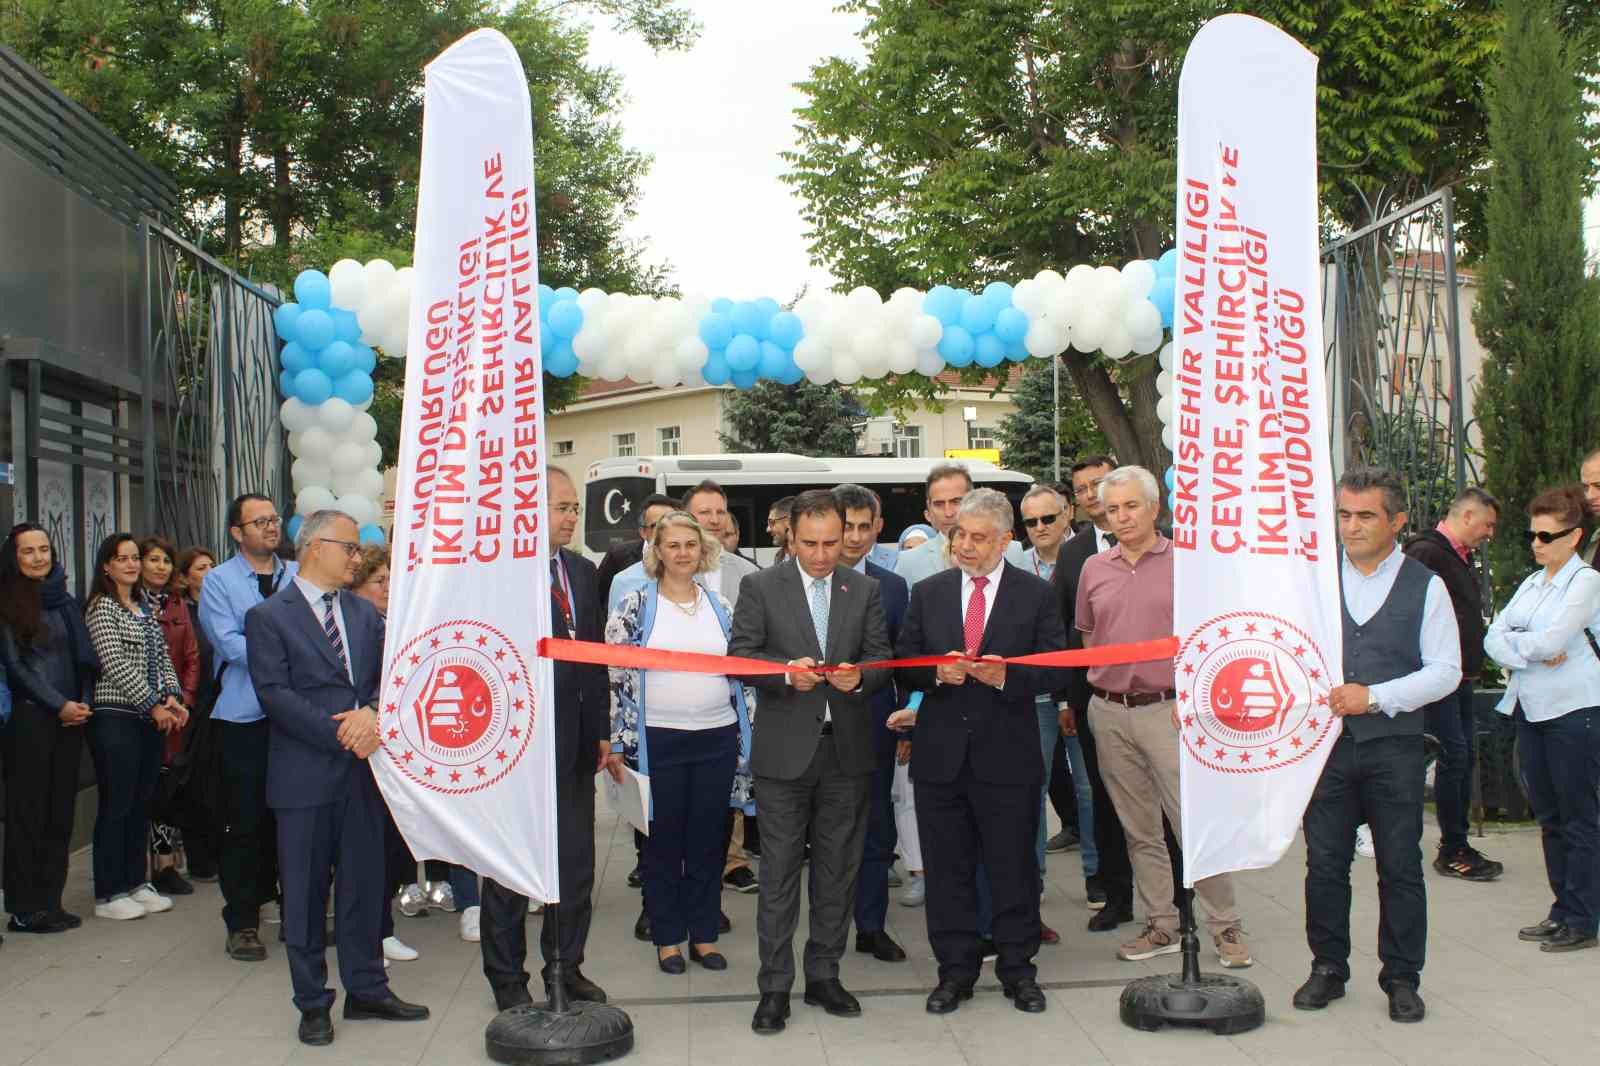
(693, 607)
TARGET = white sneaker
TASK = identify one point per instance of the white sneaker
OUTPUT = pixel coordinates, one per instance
(916, 892)
(121, 909)
(1364, 846)
(152, 901)
(469, 925)
(399, 952)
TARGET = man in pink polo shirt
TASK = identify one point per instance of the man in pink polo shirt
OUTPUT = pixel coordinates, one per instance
(1125, 595)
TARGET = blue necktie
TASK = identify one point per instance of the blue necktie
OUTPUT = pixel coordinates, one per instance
(331, 627)
(819, 612)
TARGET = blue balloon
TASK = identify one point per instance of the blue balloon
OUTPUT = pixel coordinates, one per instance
(1016, 351)
(716, 329)
(313, 290)
(366, 359)
(314, 330)
(294, 358)
(716, 371)
(284, 318)
(1163, 293)
(792, 375)
(786, 329)
(355, 388)
(562, 362)
(998, 293)
(1171, 479)
(956, 346)
(547, 340)
(547, 299)
(942, 303)
(1010, 325)
(774, 361)
(769, 306)
(312, 386)
(989, 350)
(286, 384)
(293, 528)
(1167, 265)
(345, 325)
(566, 293)
(722, 305)
(748, 318)
(566, 319)
(977, 316)
(337, 360)
(744, 379)
(372, 536)
(744, 352)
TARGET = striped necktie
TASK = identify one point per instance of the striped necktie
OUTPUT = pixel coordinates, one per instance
(330, 626)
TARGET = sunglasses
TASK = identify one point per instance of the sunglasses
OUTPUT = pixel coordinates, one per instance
(1531, 535)
(1046, 519)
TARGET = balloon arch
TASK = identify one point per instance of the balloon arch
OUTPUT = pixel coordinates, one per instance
(338, 318)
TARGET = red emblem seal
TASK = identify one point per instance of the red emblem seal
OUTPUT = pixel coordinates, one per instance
(457, 707)
(1252, 693)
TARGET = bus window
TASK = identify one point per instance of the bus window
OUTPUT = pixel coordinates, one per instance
(611, 510)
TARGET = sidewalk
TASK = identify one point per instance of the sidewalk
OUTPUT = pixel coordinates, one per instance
(160, 990)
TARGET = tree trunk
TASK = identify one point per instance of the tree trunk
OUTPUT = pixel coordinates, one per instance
(282, 198)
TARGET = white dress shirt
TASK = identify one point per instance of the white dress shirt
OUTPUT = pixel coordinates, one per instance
(313, 597)
(1104, 540)
(1440, 675)
(1547, 617)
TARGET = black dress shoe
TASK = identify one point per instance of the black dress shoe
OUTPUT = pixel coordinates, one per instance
(316, 1027)
(711, 960)
(724, 923)
(1569, 939)
(947, 997)
(1541, 932)
(246, 946)
(580, 987)
(36, 922)
(880, 946)
(771, 1013)
(169, 882)
(635, 879)
(66, 918)
(1320, 989)
(672, 964)
(641, 928)
(390, 1008)
(831, 997)
(1109, 917)
(1026, 995)
(1405, 1005)
(512, 996)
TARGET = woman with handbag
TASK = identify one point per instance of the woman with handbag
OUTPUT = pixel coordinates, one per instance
(1545, 638)
(162, 600)
(690, 733)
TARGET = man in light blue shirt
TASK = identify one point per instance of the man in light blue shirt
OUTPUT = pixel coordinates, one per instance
(248, 862)
(947, 485)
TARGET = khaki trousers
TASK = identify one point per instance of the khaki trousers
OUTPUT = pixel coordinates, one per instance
(1138, 749)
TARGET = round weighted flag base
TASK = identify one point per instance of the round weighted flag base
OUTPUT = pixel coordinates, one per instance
(537, 1036)
(1225, 1005)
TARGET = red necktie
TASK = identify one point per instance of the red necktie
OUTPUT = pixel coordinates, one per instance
(560, 592)
(975, 610)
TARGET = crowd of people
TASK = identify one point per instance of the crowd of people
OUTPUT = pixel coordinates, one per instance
(228, 708)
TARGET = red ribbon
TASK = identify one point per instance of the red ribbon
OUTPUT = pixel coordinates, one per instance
(689, 662)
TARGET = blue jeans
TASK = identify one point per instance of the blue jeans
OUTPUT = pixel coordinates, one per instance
(127, 761)
(1450, 721)
(1561, 770)
(1083, 791)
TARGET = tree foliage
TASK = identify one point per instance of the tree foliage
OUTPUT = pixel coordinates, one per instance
(987, 139)
(1028, 434)
(1538, 313)
(803, 419)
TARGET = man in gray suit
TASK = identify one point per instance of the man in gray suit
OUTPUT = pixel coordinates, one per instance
(812, 754)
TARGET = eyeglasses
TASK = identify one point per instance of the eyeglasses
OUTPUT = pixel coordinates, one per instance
(1531, 535)
(573, 509)
(1046, 519)
(1087, 490)
(350, 547)
(263, 524)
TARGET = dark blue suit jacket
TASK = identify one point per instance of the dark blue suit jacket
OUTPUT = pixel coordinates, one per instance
(301, 685)
(895, 595)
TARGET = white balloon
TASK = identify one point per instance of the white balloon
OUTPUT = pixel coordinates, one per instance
(1166, 356)
(363, 427)
(1048, 277)
(347, 281)
(335, 415)
(1028, 297)
(316, 443)
(810, 354)
(906, 299)
(371, 484)
(373, 317)
(1140, 277)
(346, 483)
(1089, 328)
(348, 458)
(926, 332)
(820, 376)
(589, 342)
(846, 371)
(1145, 343)
(1164, 409)
(690, 354)
(1142, 318)
(1164, 383)
(360, 509)
(930, 363)
(294, 444)
(865, 297)
(666, 376)
(313, 498)
(590, 299)
(296, 415)
(374, 457)
(363, 406)
(402, 279)
(307, 472)
(873, 362)
(613, 367)
(380, 274)
(1079, 278)
(1116, 344)
(1169, 436)
(902, 356)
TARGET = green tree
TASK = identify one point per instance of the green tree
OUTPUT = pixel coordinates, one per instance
(1538, 313)
(803, 419)
(1028, 434)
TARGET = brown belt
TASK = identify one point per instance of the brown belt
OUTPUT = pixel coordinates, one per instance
(1135, 699)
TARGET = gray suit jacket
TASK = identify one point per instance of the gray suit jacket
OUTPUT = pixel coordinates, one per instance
(772, 621)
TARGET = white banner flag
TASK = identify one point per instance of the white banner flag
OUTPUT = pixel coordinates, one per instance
(466, 709)
(1257, 598)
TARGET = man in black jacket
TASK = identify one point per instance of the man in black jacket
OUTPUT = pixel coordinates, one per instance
(1447, 551)
(621, 556)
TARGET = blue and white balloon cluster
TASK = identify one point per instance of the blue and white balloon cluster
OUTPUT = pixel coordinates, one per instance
(326, 377)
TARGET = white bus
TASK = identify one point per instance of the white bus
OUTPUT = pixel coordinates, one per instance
(614, 488)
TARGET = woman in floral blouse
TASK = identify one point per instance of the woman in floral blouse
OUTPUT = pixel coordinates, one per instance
(689, 732)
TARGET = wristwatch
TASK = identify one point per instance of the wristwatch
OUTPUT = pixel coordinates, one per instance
(1372, 701)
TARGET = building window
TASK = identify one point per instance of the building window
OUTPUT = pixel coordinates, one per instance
(907, 441)
(669, 440)
(563, 447)
(622, 444)
(980, 436)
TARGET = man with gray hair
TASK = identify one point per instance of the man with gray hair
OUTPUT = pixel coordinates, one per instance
(1125, 595)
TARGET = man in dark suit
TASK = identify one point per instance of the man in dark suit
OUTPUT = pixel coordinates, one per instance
(975, 755)
(316, 659)
(812, 754)
(583, 740)
(863, 521)
(621, 556)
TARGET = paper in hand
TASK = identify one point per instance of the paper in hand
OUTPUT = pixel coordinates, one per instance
(629, 798)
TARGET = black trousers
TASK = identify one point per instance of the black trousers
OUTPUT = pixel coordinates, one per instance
(1063, 796)
(1379, 783)
(504, 913)
(127, 762)
(691, 776)
(248, 861)
(963, 824)
(399, 868)
(877, 848)
(42, 759)
(339, 843)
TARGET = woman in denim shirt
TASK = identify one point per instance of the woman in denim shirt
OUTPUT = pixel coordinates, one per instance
(1545, 638)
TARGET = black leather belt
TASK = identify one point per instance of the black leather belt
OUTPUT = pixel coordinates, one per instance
(827, 728)
(1136, 699)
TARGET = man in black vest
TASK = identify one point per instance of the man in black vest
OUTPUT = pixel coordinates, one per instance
(1447, 551)
(1402, 651)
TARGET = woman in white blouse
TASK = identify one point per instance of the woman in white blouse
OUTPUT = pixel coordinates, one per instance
(688, 732)
(1546, 638)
